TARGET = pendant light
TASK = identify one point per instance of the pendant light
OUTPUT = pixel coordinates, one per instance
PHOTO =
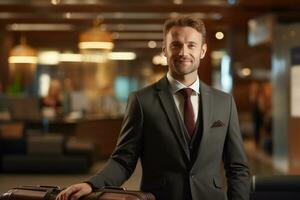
(23, 53)
(96, 39)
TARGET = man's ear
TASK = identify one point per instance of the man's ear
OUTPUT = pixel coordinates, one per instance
(203, 50)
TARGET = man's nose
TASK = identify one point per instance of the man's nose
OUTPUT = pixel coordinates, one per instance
(183, 50)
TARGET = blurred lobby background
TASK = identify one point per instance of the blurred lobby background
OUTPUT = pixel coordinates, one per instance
(68, 66)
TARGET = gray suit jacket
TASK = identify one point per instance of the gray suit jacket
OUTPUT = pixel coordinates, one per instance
(151, 132)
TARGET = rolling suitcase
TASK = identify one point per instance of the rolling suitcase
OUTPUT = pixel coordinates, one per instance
(50, 193)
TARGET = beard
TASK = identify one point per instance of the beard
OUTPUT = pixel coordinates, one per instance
(184, 66)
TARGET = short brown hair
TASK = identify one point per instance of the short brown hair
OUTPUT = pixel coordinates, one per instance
(192, 21)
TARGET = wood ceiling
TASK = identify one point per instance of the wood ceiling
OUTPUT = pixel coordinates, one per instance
(133, 22)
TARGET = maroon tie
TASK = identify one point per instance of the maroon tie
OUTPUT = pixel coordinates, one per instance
(188, 110)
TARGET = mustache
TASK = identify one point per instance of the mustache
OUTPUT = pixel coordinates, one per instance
(183, 59)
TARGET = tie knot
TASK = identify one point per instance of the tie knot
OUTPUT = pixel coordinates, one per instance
(186, 92)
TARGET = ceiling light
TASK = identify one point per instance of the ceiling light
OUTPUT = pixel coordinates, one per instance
(152, 44)
(137, 44)
(70, 57)
(96, 45)
(54, 57)
(246, 71)
(140, 36)
(40, 27)
(48, 57)
(55, 2)
(116, 35)
(122, 56)
(178, 2)
(174, 14)
(94, 58)
(219, 35)
(96, 38)
(68, 15)
(22, 59)
(23, 53)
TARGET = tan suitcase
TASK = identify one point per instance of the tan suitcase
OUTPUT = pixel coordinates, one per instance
(50, 193)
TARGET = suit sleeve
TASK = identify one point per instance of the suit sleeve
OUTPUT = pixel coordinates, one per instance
(123, 160)
(235, 160)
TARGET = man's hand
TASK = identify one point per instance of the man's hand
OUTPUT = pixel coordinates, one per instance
(74, 192)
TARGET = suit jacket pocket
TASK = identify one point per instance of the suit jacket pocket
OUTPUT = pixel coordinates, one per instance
(218, 183)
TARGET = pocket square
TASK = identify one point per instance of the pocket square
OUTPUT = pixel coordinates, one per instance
(218, 123)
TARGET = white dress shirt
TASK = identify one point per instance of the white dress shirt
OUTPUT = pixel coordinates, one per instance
(178, 98)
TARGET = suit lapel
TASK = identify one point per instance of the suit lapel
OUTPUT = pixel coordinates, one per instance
(169, 107)
(207, 110)
(206, 107)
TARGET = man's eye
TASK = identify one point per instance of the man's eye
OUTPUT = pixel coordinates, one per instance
(175, 45)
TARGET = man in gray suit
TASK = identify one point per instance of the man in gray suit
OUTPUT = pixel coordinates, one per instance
(183, 131)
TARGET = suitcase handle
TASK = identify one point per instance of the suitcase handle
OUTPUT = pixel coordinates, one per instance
(40, 186)
(114, 188)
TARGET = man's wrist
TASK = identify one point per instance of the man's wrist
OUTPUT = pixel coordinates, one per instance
(91, 185)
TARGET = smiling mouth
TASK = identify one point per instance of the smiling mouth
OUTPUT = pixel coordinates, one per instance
(183, 61)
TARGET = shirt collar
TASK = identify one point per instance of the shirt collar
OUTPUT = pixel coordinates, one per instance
(176, 85)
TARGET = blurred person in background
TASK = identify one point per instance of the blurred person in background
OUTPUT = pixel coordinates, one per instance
(267, 118)
(52, 102)
(66, 93)
(261, 101)
(255, 111)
